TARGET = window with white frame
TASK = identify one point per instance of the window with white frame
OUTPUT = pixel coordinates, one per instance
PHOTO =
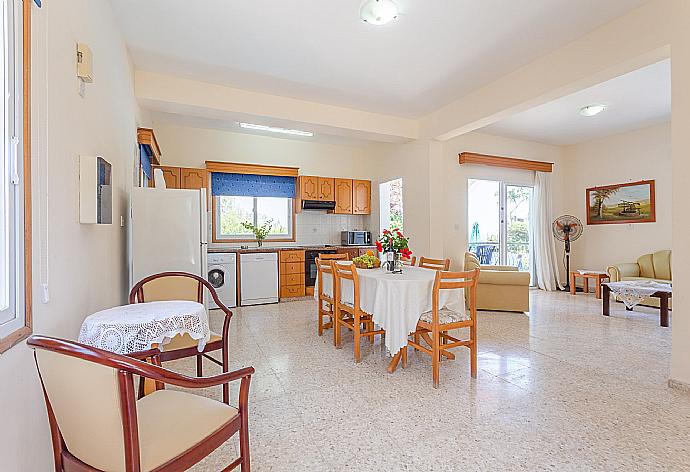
(12, 229)
(232, 211)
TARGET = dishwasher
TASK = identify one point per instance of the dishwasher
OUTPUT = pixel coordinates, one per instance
(258, 278)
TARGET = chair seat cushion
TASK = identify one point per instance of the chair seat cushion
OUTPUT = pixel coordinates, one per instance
(445, 316)
(170, 422)
(184, 341)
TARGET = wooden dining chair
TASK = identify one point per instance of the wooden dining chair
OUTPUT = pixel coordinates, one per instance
(325, 308)
(349, 315)
(184, 286)
(434, 325)
(97, 424)
(435, 264)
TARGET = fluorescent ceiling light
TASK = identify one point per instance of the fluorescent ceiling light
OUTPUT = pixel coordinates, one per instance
(378, 12)
(274, 129)
(591, 110)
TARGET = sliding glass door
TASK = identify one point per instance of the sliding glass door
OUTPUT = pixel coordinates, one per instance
(498, 222)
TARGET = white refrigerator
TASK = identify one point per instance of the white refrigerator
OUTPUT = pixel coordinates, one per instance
(167, 232)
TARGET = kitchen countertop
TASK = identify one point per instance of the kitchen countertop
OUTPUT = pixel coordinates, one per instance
(216, 250)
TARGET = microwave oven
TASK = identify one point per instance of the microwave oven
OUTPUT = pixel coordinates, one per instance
(355, 238)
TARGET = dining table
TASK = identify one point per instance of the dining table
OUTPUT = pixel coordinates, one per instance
(396, 301)
(140, 327)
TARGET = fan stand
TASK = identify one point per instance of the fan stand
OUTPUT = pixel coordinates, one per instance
(566, 287)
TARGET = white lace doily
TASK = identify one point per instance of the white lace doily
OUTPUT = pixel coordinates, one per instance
(137, 327)
(633, 293)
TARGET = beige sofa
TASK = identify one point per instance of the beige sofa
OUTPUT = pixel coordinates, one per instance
(500, 288)
(656, 266)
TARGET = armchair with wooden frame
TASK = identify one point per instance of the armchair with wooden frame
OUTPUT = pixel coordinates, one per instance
(351, 316)
(97, 424)
(435, 264)
(325, 308)
(434, 326)
(185, 286)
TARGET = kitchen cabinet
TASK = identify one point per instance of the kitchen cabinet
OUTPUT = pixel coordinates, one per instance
(343, 196)
(183, 177)
(291, 273)
(193, 178)
(351, 252)
(361, 197)
(309, 187)
(326, 189)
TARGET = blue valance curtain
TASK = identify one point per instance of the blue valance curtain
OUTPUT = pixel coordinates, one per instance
(250, 185)
(38, 2)
(145, 154)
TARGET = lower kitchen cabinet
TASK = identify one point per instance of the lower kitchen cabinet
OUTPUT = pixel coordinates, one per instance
(292, 274)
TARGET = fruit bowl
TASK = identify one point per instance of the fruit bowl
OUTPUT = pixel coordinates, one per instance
(366, 262)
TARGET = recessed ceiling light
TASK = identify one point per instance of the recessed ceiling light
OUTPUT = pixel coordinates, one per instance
(274, 129)
(591, 110)
(379, 12)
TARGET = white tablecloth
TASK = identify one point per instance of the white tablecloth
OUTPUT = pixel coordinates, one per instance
(396, 301)
(137, 327)
(633, 292)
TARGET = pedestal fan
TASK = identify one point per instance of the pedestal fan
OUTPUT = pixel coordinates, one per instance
(567, 228)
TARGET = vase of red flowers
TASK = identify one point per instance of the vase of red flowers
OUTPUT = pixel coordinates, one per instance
(395, 245)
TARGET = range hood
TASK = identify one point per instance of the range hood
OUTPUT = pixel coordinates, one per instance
(317, 205)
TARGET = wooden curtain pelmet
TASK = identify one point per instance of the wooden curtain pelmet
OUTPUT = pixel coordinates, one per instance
(508, 162)
(23, 332)
(256, 169)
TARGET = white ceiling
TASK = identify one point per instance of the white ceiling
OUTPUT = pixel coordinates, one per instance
(435, 52)
(635, 100)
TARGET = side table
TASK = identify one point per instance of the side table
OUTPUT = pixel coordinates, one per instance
(597, 277)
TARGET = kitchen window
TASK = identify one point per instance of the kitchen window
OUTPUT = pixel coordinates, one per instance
(232, 211)
(15, 221)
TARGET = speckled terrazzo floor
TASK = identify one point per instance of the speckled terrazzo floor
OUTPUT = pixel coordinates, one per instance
(561, 389)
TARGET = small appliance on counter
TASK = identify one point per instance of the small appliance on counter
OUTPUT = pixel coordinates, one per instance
(355, 238)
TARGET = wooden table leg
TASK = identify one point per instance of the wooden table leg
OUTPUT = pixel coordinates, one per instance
(573, 290)
(597, 287)
(663, 309)
(394, 362)
(585, 283)
(606, 302)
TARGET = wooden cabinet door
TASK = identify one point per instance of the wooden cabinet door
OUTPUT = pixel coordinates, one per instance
(171, 176)
(361, 197)
(343, 196)
(326, 189)
(309, 187)
(193, 178)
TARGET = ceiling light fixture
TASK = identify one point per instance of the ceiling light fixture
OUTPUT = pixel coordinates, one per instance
(592, 110)
(274, 129)
(379, 12)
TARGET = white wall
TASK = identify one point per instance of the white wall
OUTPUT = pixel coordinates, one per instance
(451, 215)
(86, 263)
(637, 155)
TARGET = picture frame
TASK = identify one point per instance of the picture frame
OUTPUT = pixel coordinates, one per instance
(631, 202)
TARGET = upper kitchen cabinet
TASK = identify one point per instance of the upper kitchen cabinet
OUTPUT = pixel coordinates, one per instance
(193, 178)
(326, 189)
(361, 197)
(171, 176)
(309, 187)
(343, 196)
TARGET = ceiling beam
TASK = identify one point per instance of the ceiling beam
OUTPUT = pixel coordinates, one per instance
(637, 39)
(171, 94)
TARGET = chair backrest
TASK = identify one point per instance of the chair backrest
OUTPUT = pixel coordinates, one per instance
(345, 271)
(85, 397)
(324, 266)
(436, 264)
(446, 280)
(174, 286)
(409, 260)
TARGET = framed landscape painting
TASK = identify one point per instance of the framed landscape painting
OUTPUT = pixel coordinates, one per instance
(623, 203)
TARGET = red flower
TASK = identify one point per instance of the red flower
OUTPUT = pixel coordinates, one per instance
(400, 235)
(406, 252)
(385, 231)
(379, 246)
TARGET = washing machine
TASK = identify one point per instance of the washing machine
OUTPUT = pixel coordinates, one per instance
(222, 274)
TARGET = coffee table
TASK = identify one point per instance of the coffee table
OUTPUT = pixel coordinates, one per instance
(662, 295)
(598, 278)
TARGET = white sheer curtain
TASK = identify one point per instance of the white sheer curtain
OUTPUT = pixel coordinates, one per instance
(545, 274)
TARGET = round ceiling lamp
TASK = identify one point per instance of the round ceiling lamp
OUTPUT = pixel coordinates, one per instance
(379, 12)
(592, 110)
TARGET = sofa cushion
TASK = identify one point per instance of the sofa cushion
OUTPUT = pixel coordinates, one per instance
(646, 264)
(504, 277)
(662, 264)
